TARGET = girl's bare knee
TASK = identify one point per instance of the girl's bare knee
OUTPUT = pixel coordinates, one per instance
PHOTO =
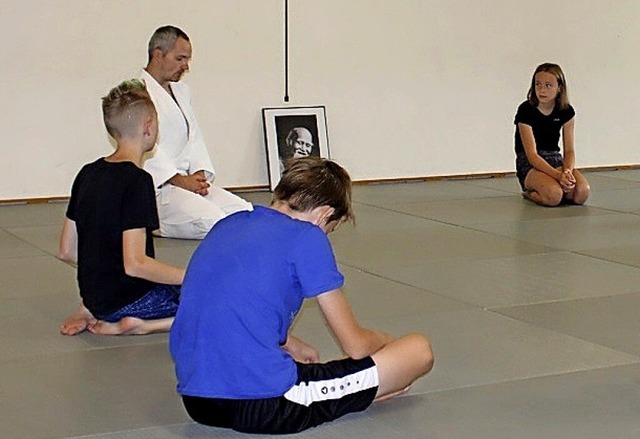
(581, 194)
(554, 197)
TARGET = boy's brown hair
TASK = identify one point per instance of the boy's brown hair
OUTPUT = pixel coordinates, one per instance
(310, 182)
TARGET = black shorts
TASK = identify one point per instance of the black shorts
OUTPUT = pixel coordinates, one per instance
(323, 392)
(523, 166)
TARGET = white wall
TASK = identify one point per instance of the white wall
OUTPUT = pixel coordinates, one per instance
(412, 88)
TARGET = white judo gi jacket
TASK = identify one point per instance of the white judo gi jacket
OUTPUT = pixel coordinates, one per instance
(180, 148)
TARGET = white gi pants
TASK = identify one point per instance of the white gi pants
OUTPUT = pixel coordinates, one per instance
(187, 215)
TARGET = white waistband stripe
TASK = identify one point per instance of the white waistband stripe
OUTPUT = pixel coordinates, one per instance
(315, 391)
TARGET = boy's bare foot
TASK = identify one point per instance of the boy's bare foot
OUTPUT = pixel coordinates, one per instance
(79, 321)
(131, 326)
(127, 325)
(392, 395)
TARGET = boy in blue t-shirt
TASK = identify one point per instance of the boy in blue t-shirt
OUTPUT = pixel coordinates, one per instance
(108, 225)
(236, 363)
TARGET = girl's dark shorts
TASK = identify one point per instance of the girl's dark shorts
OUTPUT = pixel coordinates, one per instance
(323, 392)
(523, 166)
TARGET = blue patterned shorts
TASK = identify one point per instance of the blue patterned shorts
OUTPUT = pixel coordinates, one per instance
(523, 166)
(159, 303)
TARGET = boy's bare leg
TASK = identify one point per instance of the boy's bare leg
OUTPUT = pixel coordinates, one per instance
(79, 321)
(132, 326)
(400, 363)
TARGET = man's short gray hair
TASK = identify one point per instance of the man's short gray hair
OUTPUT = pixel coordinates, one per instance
(164, 39)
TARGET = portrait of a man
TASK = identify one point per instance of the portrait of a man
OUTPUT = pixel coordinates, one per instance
(297, 137)
(291, 133)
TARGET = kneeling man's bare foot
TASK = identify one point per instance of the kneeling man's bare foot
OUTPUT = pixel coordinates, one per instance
(131, 326)
(79, 321)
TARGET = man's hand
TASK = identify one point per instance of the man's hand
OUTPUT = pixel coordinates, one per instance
(196, 183)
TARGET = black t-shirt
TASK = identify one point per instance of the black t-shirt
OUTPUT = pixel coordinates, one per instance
(107, 199)
(546, 129)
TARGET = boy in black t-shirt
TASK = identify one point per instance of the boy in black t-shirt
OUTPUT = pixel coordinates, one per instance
(107, 229)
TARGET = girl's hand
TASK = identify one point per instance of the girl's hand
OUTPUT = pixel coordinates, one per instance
(567, 181)
(570, 176)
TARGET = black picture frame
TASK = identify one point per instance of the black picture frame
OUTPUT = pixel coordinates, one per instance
(291, 132)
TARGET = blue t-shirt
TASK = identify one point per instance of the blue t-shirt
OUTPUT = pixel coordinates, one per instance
(243, 287)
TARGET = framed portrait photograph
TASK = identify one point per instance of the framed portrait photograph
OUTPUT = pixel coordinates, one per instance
(293, 132)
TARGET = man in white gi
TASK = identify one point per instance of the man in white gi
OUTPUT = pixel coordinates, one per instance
(188, 204)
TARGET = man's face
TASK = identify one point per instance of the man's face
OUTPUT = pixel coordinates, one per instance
(303, 145)
(175, 62)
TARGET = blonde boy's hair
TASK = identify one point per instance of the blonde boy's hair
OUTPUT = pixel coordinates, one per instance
(125, 107)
